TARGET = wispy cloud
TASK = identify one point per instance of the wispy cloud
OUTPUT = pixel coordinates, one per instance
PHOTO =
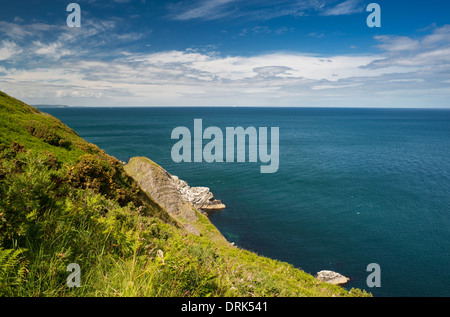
(432, 50)
(208, 10)
(345, 8)
(397, 43)
(53, 50)
(259, 9)
(45, 43)
(264, 30)
(20, 31)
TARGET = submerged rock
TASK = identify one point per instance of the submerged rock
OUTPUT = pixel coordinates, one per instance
(332, 277)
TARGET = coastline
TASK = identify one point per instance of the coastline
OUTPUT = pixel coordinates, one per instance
(184, 202)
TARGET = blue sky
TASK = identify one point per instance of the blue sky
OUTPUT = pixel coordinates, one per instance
(227, 53)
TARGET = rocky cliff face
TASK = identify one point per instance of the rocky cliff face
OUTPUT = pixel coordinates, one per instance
(173, 194)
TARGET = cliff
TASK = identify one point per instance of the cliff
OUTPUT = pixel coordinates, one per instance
(179, 199)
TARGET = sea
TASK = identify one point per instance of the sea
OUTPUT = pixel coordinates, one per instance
(354, 186)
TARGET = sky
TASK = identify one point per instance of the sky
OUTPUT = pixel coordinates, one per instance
(310, 53)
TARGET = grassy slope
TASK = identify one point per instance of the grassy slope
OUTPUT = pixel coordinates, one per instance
(63, 200)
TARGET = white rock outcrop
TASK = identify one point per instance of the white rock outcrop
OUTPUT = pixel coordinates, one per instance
(332, 277)
(200, 197)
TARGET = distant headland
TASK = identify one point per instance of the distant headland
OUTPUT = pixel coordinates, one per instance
(51, 106)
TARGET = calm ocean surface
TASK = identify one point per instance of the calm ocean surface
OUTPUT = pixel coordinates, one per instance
(354, 186)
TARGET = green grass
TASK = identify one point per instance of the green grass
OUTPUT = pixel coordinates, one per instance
(63, 200)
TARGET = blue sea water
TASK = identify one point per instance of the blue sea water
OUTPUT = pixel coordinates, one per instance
(354, 186)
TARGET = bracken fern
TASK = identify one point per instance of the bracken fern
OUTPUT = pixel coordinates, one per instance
(13, 269)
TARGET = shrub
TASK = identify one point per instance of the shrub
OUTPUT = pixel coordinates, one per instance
(46, 133)
(104, 175)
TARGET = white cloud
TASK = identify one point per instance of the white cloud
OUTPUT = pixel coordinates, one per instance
(53, 50)
(439, 36)
(192, 78)
(405, 72)
(430, 51)
(8, 49)
(397, 43)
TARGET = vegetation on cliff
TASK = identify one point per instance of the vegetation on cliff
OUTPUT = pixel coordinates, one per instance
(63, 200)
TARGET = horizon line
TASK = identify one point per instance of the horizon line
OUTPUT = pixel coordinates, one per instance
(267, 107)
